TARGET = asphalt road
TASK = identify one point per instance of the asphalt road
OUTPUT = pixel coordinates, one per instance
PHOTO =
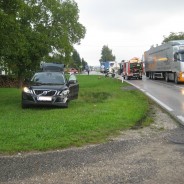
(169, 95)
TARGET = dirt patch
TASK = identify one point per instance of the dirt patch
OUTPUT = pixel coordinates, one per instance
(163, 125)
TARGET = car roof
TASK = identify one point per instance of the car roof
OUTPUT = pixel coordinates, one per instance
(52, 67)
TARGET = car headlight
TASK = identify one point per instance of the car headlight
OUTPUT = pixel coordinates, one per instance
(27, 90)
(65, 92)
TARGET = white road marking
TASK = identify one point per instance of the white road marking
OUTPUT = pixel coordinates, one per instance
(133, 85)
(159, 102)
(181, 118)
(142, 90)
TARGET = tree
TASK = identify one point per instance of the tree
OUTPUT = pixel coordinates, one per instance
(64, 27)
(14, 44)
(76, 60)
(84, 64)
(106, 54)
(31, 29)
(173, 36)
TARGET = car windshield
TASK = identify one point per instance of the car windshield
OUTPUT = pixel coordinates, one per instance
(135, 65)
(55, 78)
(182, 57)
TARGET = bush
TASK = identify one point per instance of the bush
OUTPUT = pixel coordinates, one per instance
(8, 81)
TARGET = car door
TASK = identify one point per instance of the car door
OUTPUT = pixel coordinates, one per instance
(73, 87)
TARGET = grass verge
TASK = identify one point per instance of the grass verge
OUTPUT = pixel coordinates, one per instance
(104, 108)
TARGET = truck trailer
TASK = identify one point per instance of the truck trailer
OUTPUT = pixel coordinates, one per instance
(133, 69)
(166, 61)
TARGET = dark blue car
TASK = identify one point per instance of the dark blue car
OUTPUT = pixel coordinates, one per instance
(50, 88)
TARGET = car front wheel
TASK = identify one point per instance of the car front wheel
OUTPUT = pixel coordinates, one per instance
(66, 104)
(24, 106)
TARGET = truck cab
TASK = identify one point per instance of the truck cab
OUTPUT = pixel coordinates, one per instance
(133, 69)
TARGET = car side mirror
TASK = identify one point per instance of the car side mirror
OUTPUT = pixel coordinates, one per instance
(72, 82)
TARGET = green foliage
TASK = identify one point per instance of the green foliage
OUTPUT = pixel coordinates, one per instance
(108, 110)
(106, 54)
(76, 60)
(31, 29)
(173, 36)
(84, 64)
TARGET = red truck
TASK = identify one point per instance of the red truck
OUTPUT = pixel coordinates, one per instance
(133, 69)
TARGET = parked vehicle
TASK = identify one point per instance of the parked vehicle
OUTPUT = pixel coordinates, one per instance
(109, 74)
(166, 61)
(133, 69)
(108, 66)
(50, 87)
(73, 70)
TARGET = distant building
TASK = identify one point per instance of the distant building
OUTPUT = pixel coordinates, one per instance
(2, 72)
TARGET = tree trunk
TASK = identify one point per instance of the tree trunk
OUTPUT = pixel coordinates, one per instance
(20, 83)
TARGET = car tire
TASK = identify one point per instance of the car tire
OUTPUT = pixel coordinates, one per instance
(65, 105)
(126, 77)
(24, 106)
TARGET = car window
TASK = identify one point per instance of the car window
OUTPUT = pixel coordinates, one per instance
(48, 78)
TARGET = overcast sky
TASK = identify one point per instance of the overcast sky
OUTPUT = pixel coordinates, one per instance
(127, 27)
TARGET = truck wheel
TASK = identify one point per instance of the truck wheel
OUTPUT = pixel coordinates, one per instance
(154, 78)
(166, 77)
(149, 75)
(175, 78)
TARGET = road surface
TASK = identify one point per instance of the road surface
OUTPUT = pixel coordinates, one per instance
(167, 94)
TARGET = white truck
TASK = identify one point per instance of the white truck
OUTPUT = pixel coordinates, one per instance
(166, 61)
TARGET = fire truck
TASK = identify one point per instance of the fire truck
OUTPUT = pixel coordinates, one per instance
(133, 69)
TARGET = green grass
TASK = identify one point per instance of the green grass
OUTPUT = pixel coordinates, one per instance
(103, 108)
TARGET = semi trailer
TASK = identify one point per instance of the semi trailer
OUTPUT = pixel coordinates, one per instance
(165, 61)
